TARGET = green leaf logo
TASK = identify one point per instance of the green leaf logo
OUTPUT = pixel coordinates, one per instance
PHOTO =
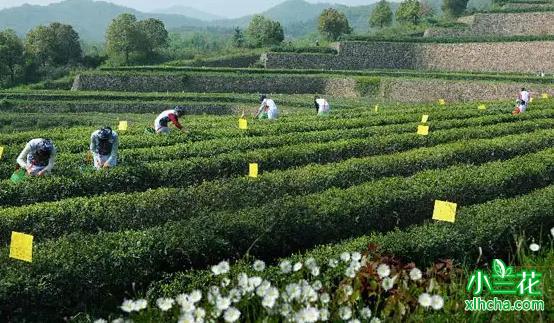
(499, 268)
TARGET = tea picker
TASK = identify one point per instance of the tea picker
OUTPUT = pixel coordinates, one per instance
(104, 144)
(322, 107)
(161, 124)
(38, 157)
(268, 109)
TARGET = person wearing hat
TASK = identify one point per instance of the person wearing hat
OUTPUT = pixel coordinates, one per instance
(523, 99)
(38, 157)
(161, 124)
(268, 109)
(322, 107)
(104, 144)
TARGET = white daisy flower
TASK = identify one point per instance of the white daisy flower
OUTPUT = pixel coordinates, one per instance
(552, 231)
(350, 272)
(356, 256)
(365, 313)
(186, 318)
(324, 314)
(187, 306)
(534, 247)
(268, 302)
(128, 306)
(286, 310)
(264, 286)
(119, 320)
(345, 256)
(165, 304)
(308, 314)
(375, 320)
(415, 274)
(223, 303)
(199, 313)
(424, 300)
(317, 285)
(293, 290)
(286, 267)
(141, 304)
(387, 283)
(333, 263)
(100, 321)
(354, 321)
(254, 282)
(259, 265)
(297, 266)
(272, 292)
(231, 315)
(345, 313)
(310, 263)
(195, 296)
(437, 302)
(242, 279)
(325, 298)
(235, 295)
(383, 270)
(315, 271)
(221, 268)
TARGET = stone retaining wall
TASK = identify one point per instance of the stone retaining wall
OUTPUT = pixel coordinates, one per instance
(524, 57)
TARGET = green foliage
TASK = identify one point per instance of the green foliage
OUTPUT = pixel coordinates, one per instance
(454, 8)
(367, 85)
(55, 44)
(381, 15)
(333, 24)
(409, 12)
(12, 57)
(126, 36)
(238, 38)
(263, 31)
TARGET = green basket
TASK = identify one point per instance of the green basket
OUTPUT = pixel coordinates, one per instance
(18, 176)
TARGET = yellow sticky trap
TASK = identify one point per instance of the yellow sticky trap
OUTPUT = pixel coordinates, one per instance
(243, 124)
(376, 108)
(442, 102)
(1, 152)
(424, 118)
(253, 170)
(21, 246)
(445, 211)
(544, 96)
(423, 130)
(123, 125)
(482, 107)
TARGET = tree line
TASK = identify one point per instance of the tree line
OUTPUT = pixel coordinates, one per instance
(52, 50)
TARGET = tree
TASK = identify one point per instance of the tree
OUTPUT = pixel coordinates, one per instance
(381, 15)
(123, 37)
(454, 8)
(238, 38)
(55, 44)
(11, 54)
(333, 24)
(154, 35)
(408, 12)
(426, 10)
(264, 32)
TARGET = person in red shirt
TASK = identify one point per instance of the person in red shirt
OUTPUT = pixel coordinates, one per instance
(161, 125)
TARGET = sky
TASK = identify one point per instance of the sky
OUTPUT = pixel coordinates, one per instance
(224, 8)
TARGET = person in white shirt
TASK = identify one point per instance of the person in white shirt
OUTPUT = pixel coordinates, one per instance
(523, 101)
(38, 157)
(268, 109)
(322, 107)
(104, 145)
(161, 124)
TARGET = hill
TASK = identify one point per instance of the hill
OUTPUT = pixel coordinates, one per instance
(189, 12)
(89, 18)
